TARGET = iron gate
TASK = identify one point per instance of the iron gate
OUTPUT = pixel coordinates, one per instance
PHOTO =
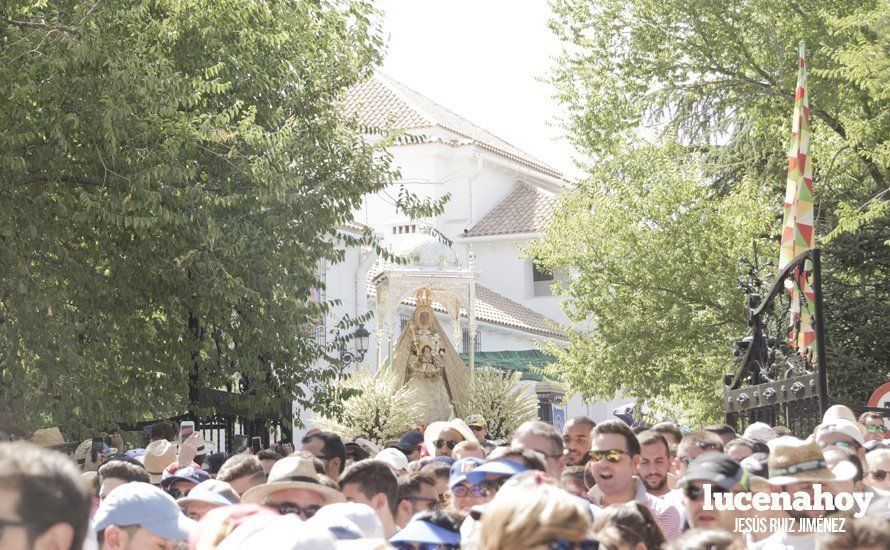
(773, 382)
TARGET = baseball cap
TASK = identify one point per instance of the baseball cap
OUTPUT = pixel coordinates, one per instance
(188, 473)
(394, 458)
(422, 531)
(716, 468)
(476, 420)
(410, 442)
(143, 504)
(344, 517)
(460, 469)
(211, 491)
(498, 467)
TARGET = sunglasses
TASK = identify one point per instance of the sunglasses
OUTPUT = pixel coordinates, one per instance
(176, 493)
(285, 508)
(874, 429)
(475, 490)
(573, 545)
(693, 492)
(431, 503)
(477, 428)
(611, 455)
(450, 443)
(879, 475)
(423, 546)
(841, 444)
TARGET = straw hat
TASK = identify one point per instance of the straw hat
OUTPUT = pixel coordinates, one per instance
(158, 455)
(292, 472)
(49, 438)
(797, 461)
(205, 447)
(434, 430)
(760, 431)
(835, 412)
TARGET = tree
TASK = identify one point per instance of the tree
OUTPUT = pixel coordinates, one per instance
(686, 106)
(171, 174)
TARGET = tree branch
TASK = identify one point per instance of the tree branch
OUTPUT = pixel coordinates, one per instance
(43, 178)
(39, 26)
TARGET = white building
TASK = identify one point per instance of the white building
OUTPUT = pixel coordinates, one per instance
(500, 199)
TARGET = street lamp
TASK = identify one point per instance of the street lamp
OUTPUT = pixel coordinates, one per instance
(361, 337)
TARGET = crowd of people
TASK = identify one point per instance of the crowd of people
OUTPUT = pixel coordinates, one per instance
(595, 485)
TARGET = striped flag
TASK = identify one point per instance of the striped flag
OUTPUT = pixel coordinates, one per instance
(797, 226)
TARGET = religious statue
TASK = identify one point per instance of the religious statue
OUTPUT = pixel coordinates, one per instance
(427, 361)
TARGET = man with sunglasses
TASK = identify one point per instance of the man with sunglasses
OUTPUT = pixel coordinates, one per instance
(878, 476)
(329, 448)
(613, 459)
(724, 475)
(842, 433)
(875, 428)
(544, 438)
(416, 493)
(294, 488)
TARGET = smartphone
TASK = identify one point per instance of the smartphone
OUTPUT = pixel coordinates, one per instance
(97, 447)
(256, 444)
(186, 429)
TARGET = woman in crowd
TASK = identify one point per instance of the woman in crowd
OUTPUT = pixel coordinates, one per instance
(629, 526)
(532, 512)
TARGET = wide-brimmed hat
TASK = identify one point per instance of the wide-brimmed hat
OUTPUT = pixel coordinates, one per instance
(434, 430)
(293, 472)
(49, 438)
(158, 455)
(797, 461)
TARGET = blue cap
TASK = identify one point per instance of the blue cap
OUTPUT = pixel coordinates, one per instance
(498, 467)
(425, 532)
(145, 505)
(460, 469)
(188, 473)
(410, 442)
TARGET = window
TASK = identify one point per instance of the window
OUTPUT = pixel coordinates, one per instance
(465, 341)
(404, 319)
(542, 280)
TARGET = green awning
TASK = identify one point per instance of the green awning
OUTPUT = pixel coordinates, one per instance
(524, 361)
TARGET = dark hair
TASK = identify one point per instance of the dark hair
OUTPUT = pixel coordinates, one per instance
(269, 454)
(706, 441)
(333, 446)
(757, 464)
(446, 519)
(214, 461)
(163, 430)
(49, 489)
(633, 523)
(122, 469)
(373, 477)
(654, 438)
(240, 466)
(668, 428)
(720, 429)
(755, 445)
(617, 427)
(409, 484)
(583, 420)
(439, 469)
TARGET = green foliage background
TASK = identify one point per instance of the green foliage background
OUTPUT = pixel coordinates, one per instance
(682, 112)
(170, 176)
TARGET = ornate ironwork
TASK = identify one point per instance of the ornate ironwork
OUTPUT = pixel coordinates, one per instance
(773, 382)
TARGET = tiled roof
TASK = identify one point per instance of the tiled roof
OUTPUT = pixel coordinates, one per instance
(492, 308)
(381, 103)
(524, 210)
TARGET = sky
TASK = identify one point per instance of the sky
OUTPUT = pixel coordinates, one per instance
(483, 60)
